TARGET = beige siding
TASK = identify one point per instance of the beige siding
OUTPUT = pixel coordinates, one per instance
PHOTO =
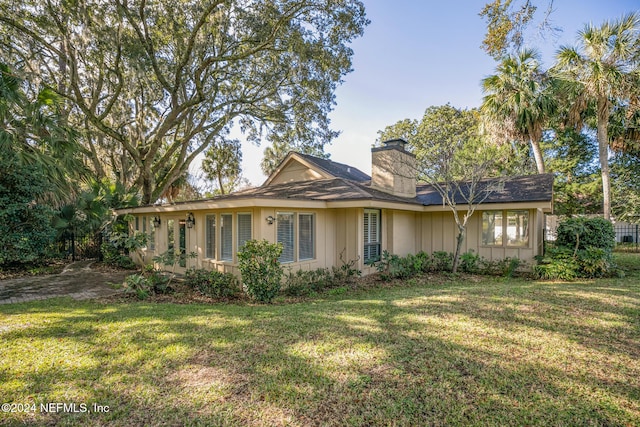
(295, 171)
(339, 232)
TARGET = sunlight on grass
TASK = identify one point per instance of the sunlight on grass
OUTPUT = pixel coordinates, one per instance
(485, 352)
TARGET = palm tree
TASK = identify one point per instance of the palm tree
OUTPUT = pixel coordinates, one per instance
(516, 103)
(604, 69)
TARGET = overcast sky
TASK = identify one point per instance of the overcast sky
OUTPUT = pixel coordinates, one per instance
(419, 53)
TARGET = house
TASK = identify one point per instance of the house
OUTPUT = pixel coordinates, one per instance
(326, 213)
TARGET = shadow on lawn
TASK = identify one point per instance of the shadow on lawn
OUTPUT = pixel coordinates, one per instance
(452, 355)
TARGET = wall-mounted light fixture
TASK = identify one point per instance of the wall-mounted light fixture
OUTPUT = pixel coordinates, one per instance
(191, 221)
(270, 220)
(156, 221)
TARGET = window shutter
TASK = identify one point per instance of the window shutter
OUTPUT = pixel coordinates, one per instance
(244, 228)
(371, 235)
(285, 235)
(210, 237)
(226, 237)
(306, 236)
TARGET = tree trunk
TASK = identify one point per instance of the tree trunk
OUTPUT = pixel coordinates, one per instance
(603, 154)
(537, 155)
(456, 256)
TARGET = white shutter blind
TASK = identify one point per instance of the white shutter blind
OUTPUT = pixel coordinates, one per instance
(371, 235)
(306, 236)
(285, 235)
(244, 228)
(226, 237)
(210, 236)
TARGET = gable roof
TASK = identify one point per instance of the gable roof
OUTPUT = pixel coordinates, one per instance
(338, 170)
(323, 168)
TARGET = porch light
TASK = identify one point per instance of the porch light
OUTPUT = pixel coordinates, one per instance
(156, 221)
(191, 221)
(270, 220)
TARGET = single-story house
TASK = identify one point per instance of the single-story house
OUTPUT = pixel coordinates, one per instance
(326, 213)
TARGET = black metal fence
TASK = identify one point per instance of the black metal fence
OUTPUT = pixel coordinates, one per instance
(627, 236)
(80, 246)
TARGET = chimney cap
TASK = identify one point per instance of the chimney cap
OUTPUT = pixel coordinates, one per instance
(392, 144)
(397, 142)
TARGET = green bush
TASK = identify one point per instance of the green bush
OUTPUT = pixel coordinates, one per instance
(582, 233)
(583, 249)
(302, 283)
(505, 267)
(213, 283)
(442, 261)
(260, 269)
(470, 262)
(138, 285)
(115, 250)
(26, 231)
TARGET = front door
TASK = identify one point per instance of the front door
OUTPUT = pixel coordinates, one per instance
(177, 244)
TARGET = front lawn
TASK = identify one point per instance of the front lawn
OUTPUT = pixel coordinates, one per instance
(478, 351)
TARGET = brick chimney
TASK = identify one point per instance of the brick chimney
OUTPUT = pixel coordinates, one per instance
(393, 169)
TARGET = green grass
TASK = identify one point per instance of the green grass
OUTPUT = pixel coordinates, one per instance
(478, 351)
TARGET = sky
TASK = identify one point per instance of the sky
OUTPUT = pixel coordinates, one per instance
(421, 53)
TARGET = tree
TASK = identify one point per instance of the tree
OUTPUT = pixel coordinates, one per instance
(406, 129)
(570, 157)
(517, 103)
(153, 82)
(222, 164)
(604, 69)
(506, 25)
(462, 166)
(625, 174)
(25, 224)
(32, 129)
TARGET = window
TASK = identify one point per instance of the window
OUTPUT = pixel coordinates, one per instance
(492, 228)
(371, 235)
(512, 232)
(284, 223)
(226, 237)
(210, 236)
(517, 228)
(306, 236)
(244, 228)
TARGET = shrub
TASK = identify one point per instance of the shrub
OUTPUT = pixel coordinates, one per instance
(26, 232)
(213, 283)
(557, 264)
(260, 268)
(115, 250)
(583, 249)
(302, 282)
(470, 262)
(442, 261)
(581, 233)
(138, 285)
(505, 267)
(347, 272)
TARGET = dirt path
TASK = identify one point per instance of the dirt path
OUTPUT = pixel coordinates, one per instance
(78, 281)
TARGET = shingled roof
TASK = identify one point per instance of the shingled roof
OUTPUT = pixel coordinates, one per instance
(530, 188)
(339, 170)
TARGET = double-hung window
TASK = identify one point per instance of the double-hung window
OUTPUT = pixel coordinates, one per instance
(372, 235)
(297, 233)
